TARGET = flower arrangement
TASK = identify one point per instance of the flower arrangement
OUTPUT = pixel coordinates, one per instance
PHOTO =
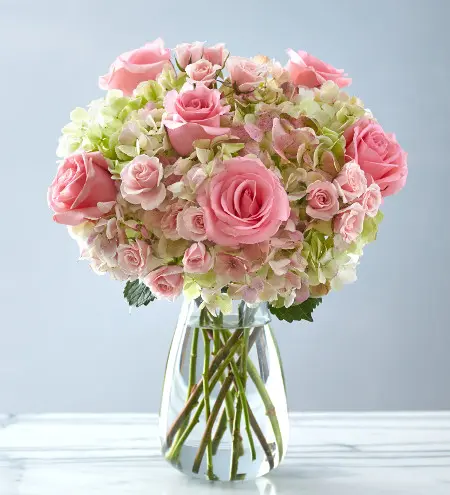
(225, 178)
(262, 185)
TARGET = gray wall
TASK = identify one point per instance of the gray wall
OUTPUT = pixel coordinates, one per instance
(67, 340)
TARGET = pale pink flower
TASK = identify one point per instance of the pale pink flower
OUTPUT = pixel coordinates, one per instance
(131, 68)
(193, 114)
(133, 258)
(371, 200)
(169, 221)
(349, 222)
(245, 74)
(196, 259)
(243, 204)
(230, 267)
(187, 53)
(216, 54)
(302, 294)
(191, 224)
(82, 189)
(378, 154)
(202, 71)
(165, 282)
(323, 200)
(141, 182)
(256, 254)
(351, 182)
(306, 70)
(290, 142)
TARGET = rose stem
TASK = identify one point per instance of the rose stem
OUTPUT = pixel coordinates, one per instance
(262, 439)
(210, 423)
(173, 453)
(227, 414)
(192, 378)
(220, 432)
(209, 459)
(236, 438)
(223, 354)
(270, 408)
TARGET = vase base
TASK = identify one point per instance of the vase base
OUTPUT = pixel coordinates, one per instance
(248, 469)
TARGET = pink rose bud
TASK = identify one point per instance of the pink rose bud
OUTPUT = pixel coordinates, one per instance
(245, 73)
(193, 114)
(378, 154)
(191, 224)
(351, 182)
(202, 71)
(243, 204)
(216, 54)
(349, 222)
(323, 200)
(133, 258)
(131, 68)
(169, 220)
(196, 259)
(82, 189)
(165, 282)
(141, 182)
(306, 70)
(371, 200)
(187, 53)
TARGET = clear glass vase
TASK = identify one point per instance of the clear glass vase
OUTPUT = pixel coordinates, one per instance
(223, 413)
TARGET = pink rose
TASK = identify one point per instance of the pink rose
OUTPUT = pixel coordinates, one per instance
(191, 224)
(202, 71)
(245, 73)
(309, 71)
(133, 258)
(131, 68)
(187, 53)
(165, 282)
(82, 189)
(196, 259)
(230, 267)
(243, 204)
(323, 200)
(216, 54)
(378, 154)
(141, 182)
(349, 222)
(371, 200)
(193, 114)
(351, 182)
(169, 221)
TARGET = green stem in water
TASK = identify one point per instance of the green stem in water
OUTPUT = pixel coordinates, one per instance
(192, 377)
(261, 438)
(236, 439)
(270, 408)
(209, 459)
(193, 401)
(225, 354)
(206, 438)
(220, 432)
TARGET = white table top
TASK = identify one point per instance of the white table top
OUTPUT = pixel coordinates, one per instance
(333, 454)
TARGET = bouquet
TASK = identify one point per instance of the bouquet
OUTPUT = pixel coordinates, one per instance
(224, 178)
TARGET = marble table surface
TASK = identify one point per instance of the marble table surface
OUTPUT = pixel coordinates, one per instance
(333, 454)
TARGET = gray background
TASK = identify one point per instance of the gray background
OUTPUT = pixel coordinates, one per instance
(67, 340)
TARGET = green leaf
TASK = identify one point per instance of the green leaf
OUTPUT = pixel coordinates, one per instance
(297, 312)
(137, 294)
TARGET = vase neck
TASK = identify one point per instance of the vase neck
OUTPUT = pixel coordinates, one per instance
(242, 315)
